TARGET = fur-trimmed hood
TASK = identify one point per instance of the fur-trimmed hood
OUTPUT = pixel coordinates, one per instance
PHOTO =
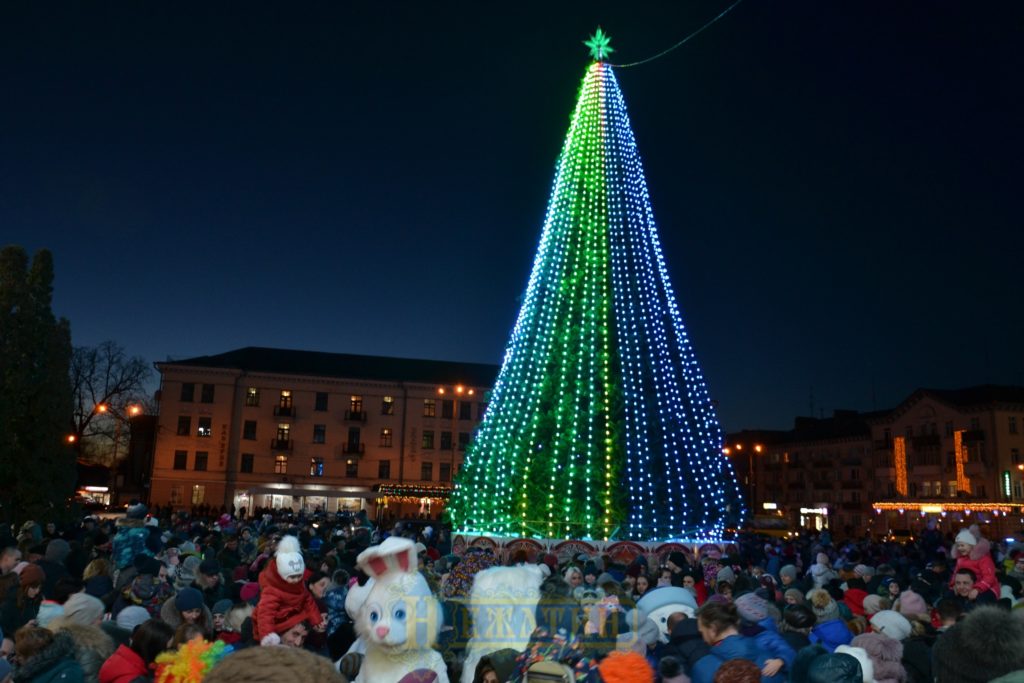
(886, 655)
(61, 653)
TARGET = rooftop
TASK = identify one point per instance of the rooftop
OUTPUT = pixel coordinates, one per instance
(344, 365)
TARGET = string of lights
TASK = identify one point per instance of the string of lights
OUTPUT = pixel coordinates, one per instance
(600, 421)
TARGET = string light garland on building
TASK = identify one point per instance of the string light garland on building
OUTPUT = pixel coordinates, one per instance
(899, 455)
(600, 423)
(960, 451)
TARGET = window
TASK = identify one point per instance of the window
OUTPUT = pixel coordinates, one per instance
(284, 431)
(175, 495)
(463, 440)
(384, 469)
(855, 474)
(446, 441)
(1013, 424)
(447, 408)
(429, 407)
(1015, 455)
(913, 489)
(465, 410)
(353, 439)
(427, 471)
(184, 425)
(1018, 490)
(198, 494)
(355, 404)
(205, 428)
(320, 403)
(352, 469)
(247, 463)
(949, 428)
(180, 460)
(316, 467)
(481, 408)
(926, 489)
(444, 472)
(206, 393)
(951, 487)
(286, 399)
(385, 437)
(249, 430)
(319, 433)
(428, 439)
(188, 392)
(252, 396)
(387, 406)
(281, 464)
(202, 457)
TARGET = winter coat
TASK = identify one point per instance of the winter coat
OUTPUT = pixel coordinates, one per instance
(92, 647)
(980, 562)
(13, 617)
(769, 640)
(831, 634)
(917, 659)
(54, 664)
(733, 647)
(885, 654)
(124, 666)
(282, 604)
(821, 574)
(686, 643)
(129, 541)
(170, 615)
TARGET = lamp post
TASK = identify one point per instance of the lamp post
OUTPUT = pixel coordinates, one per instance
(751, 451)
(129, 412)
(458, 392)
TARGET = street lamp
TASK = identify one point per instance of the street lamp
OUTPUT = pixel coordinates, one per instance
(130, 412)
(754, 449)
(460, 392)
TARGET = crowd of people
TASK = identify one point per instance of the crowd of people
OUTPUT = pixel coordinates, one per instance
(170, 596)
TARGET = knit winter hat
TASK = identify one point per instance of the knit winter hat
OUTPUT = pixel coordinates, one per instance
(221, 606)
(137, 511)
(188, 599)
(82, 608)
(863, 571)
(32, 575)
(751, 607)
(726, 574)
(873, 604)
(289, 557)
(250, 593)
(825, 608)
(789, 570)
(132, 616)
(795, 593)
(966, 537)
(892, 624)
(625, 667)
(912, 604)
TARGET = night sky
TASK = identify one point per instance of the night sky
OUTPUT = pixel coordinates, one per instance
(837, 185)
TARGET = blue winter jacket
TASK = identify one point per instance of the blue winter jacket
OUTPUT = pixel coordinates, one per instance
(831, 634)
(733, 647)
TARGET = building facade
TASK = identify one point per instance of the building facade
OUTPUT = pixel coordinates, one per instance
(273, 428)
(943, 457)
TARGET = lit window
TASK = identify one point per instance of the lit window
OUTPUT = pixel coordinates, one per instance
(316, 467)
(385, 437)
(387, 406)
(428, 439)
(252, 396)
(205, 427)
(352, 469)
(429, 407)
(281, 464)
(355, 404)
(286, 398)
(198, 494)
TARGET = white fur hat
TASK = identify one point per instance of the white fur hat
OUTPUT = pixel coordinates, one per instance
(966, 537)
(289, 557)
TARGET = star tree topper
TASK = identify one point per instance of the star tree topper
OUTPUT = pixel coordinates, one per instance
(599, 45)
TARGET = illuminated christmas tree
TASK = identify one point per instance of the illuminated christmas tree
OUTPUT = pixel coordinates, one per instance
(599, 424)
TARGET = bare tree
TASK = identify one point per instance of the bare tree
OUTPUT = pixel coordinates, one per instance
(109, 387)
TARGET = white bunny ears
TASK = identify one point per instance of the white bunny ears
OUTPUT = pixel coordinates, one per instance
(395, 554)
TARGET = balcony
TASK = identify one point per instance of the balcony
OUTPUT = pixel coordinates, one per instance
(281, 444)
(348, 448)
(284, 411)
(355, 415)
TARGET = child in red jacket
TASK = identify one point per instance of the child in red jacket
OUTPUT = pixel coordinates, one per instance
(284, 599)
(972, 552)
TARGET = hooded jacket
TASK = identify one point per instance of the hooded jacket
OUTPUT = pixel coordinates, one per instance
(979, 561)
(92, 647)
(54, 664)
(124, 666)
(282, 604)
(831, 634)
(732, 647)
